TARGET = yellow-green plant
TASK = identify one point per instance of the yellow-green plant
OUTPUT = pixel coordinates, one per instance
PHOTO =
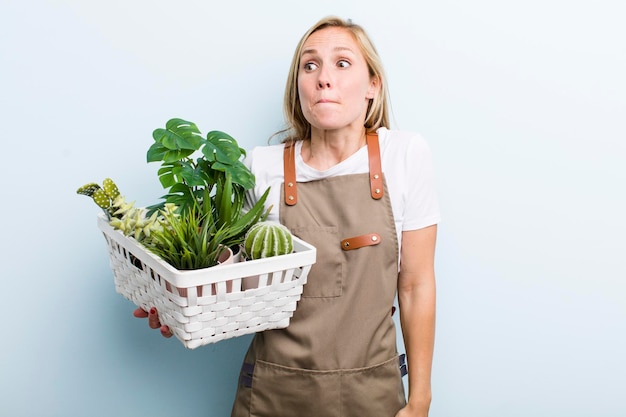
(124, 216)
(107, 196)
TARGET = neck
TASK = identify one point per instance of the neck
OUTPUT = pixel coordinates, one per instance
(326, 149)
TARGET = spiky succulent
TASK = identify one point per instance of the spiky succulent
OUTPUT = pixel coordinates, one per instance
(124, 216)
(135, 223)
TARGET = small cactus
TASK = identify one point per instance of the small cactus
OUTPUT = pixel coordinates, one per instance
(106, 197)
(88, 189)
(110, 188)
(101, 198)
(265, 239)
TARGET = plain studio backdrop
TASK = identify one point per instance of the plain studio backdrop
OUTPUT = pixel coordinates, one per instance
(522, 103)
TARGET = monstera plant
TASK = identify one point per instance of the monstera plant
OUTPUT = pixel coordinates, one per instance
(203, 210)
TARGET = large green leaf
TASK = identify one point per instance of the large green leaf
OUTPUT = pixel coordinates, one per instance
(221, 147)
(166, 176)
(239, 173)
(193, 175)
(179, 134)
(222, 152)
(181, 195)
(157, 152)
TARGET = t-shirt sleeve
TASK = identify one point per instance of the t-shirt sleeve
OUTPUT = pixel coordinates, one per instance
(251, 197)
(265, 163)
(422, 205)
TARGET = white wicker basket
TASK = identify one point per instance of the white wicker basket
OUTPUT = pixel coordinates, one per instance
(208, 305)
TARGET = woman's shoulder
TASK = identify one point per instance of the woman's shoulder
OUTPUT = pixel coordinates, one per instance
(264, 157)
(401, 136)
(266, 151)
(402, 142)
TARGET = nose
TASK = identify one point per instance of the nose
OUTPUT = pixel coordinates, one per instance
(323, 79)
(323, 84)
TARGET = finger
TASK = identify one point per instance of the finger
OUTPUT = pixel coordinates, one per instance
(153, 319)
(140, 313)
(166, 332)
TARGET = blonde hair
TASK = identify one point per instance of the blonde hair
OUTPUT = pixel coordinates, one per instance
(298, 128)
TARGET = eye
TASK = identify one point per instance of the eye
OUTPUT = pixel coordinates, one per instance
(343, 63)
(309, 66)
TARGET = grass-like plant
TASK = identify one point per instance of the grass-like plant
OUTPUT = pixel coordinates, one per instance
(190, 240)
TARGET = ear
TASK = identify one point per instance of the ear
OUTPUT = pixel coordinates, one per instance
(374, 87)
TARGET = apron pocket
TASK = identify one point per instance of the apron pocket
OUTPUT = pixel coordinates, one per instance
(279, 391)
(328, 281)
(374, 391)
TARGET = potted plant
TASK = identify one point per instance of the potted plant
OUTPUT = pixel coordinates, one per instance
(202, 213)
(209, 192)
(166, 255)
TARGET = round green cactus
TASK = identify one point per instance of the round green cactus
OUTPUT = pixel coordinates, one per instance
(266, 239)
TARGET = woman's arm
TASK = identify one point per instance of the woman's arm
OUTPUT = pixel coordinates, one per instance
(416, 297)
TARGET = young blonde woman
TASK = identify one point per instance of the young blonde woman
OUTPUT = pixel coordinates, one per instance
(364, 196)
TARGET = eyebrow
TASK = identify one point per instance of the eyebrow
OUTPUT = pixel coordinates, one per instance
(336, 49)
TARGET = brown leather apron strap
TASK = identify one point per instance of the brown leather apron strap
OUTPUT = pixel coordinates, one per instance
(289, 163)
(376, 172)
(360, 241)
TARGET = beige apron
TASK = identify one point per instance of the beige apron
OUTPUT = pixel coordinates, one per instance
(338, 356)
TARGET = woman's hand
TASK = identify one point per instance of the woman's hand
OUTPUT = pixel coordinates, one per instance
(413, 411)
(153, 320)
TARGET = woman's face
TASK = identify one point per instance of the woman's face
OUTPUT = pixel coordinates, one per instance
(334, 84)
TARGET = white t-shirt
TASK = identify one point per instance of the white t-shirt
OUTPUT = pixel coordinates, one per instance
(407, 167)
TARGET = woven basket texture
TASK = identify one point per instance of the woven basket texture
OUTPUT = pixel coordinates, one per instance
(212, 304)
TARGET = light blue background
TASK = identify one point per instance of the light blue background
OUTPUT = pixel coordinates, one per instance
(523, 104)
